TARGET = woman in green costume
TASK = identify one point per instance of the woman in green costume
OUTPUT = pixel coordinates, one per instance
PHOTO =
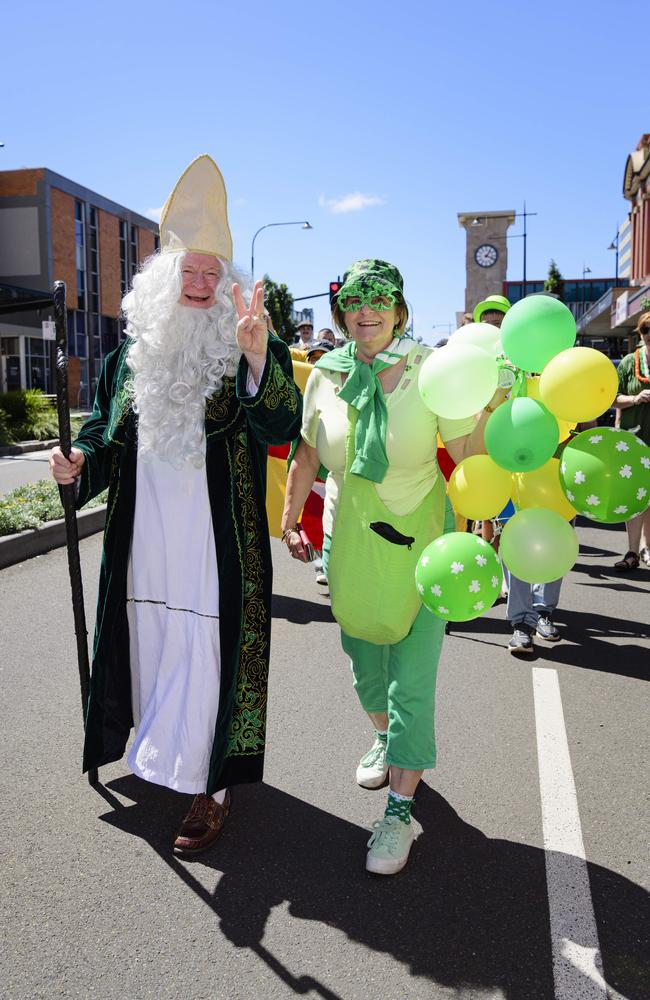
(364, 420)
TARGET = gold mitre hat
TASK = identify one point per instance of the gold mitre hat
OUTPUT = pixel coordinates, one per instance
(195, 216)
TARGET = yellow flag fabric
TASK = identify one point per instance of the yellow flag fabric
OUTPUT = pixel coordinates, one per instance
(276, 470)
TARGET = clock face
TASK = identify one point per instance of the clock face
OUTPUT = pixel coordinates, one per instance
(486, 255)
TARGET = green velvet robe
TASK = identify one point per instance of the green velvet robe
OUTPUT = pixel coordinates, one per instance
(238, 429)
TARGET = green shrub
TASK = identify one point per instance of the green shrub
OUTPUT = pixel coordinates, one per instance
(40, 421)
(13, 403)
(6, 437)
(31, 505)
(31, 415)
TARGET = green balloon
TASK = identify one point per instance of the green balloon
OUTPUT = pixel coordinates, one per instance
(605, 474)
(521, 435)
(538, 545)
(458, 576)
(458, 381)
(535, 329)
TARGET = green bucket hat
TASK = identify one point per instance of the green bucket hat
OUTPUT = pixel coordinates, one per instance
(372, 275)
(493, 303)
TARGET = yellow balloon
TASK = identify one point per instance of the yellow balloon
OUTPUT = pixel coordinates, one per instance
(578, 384)
(541, 488)
(565, 426)
(479, 488)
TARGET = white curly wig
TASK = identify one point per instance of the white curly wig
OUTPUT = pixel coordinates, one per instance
(178, 358)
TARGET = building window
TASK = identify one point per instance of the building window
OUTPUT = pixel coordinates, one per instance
(93, 246)
(38, 363)
(124, 258)
(80, 340)
(133, 251)
(109, 334)
(80, 251)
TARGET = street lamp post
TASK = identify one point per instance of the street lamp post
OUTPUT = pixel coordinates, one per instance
(585, 270)
(614, 246)
(305, 225)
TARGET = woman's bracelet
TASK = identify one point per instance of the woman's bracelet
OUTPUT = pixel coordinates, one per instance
(289, 531)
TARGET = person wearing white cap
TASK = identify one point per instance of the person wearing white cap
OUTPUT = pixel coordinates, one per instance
(185, 409)
(305, 330)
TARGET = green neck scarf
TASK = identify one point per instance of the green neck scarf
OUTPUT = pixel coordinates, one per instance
(363, 391)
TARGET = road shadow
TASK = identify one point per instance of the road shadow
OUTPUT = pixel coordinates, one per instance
(609, 574)
(588, 644)
(299, 611)
(591, 550)
(587, 523)
(468, 911)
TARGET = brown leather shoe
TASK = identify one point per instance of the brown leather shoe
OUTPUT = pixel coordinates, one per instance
(202, 825)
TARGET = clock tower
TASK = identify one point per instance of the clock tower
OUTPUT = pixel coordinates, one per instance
(486, 256)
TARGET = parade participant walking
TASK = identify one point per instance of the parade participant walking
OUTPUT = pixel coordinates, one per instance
(184, 410)
(530, 606)
(365, 421)
(633, 402)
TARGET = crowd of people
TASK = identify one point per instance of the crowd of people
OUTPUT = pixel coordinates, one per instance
(185, 412)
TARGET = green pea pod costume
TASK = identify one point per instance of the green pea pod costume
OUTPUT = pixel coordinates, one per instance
(372, 580)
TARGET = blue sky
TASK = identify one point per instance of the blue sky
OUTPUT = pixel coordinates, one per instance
(377, 122)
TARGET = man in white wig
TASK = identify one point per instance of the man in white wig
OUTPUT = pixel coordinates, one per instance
(184, 411)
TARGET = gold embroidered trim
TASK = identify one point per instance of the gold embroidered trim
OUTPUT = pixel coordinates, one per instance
(114, 477)
(279, 390)
(246, 735)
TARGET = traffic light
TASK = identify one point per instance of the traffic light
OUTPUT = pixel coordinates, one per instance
(334, 290)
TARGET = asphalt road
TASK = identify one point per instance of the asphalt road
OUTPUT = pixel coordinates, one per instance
(496, 901)
(16, 470)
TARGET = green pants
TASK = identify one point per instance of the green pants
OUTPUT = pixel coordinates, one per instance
(400, 679)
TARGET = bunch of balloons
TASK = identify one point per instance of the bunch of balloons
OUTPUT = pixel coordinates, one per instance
(603, 474)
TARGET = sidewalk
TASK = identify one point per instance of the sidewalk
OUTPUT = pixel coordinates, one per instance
(25, 447)
(51, 535)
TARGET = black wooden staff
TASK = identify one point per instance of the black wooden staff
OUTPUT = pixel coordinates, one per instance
(68, 501)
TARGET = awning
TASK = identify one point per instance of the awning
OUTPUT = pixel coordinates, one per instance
(14, 299)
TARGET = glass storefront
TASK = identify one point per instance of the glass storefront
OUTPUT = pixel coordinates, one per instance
(37, 363)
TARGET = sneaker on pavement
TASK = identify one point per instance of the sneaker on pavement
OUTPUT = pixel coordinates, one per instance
(546, 629)
(322, 579)
(521, 643)
(373, 769)
(389, 845)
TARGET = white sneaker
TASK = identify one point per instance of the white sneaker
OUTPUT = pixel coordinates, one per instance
(373, 769)
(389, 845)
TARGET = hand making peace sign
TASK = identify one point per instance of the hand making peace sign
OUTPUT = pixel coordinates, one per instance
(252, 334)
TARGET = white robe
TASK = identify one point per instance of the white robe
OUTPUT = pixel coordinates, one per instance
(173, 613)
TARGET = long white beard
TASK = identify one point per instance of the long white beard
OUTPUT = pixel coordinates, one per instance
(177, 364)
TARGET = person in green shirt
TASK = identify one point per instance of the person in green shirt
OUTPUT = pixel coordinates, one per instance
(633, 400)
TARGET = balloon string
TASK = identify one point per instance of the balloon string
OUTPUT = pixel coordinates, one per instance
(520, 387)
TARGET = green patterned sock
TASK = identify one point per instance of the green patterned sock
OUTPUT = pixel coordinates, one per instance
(400, 806)
(383, 736)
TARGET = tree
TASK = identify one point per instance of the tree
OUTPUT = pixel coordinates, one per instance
(555, 282)
(279, 302)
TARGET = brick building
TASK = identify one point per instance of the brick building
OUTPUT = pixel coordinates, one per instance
(616, 314)
(52, 228)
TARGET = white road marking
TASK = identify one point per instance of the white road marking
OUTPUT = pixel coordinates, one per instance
(577, 963)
